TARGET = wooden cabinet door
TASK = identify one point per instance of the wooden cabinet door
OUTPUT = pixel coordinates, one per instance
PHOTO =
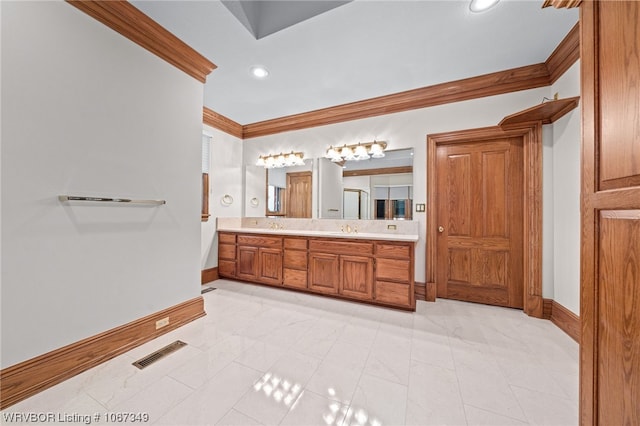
(610, 247)
(270, 266)
(324, 272)
(356, 277)
(247, 263)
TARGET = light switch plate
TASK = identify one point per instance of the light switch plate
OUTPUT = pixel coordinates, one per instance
(421, 207)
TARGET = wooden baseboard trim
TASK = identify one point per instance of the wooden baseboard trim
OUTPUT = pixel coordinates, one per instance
(27, 378)
(431, 291)
(566, 320)
(420, 291)
(209, 275)
(547, 307)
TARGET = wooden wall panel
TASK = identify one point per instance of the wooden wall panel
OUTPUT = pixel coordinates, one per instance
(610, 206)
(619, 318)
(619, 108)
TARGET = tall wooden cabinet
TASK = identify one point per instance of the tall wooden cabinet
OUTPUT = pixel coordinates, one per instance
(610, 252)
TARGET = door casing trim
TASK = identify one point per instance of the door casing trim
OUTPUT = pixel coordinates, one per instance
(532, 203)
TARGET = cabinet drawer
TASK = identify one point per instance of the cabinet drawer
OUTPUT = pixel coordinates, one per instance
(227, 238)
(295, 259)
(295, 243)
(226, 251)
(393, 270)
(259, 241)
(341, 247)
(226, 268)
(393, 293)
(295, 278)
(396, 251)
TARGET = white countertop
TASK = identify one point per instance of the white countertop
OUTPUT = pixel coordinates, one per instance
(327, 234)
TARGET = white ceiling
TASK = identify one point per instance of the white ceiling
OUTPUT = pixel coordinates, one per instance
(359, 50)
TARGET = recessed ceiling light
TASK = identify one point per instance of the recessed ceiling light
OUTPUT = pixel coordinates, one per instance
(259, 72)
(482, 5)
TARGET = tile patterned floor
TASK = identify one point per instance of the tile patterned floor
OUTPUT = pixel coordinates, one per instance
(265, 356)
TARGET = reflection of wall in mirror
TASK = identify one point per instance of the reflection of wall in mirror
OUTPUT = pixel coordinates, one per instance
(330, 189)
(356, 204)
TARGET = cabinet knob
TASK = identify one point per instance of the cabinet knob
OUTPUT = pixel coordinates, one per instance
(441, 229)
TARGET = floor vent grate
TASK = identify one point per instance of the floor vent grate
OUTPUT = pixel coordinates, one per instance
(159, 354)
(207, 290)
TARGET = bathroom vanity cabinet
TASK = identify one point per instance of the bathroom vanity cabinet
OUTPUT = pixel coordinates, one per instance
(366, 270)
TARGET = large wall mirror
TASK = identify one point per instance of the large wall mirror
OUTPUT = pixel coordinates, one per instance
(377, 188)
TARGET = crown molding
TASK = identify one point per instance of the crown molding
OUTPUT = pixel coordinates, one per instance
(512, 80)
(501, 82)
(220, 122)
(559, 4)
(129, 21)
(565, 55)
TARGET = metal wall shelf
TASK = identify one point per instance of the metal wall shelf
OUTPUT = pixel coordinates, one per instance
(66, 198)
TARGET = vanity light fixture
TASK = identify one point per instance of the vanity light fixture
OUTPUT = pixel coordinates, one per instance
(478, 6)
(356, 152)
(273, 161)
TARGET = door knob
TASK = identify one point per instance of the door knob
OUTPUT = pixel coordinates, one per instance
(441, 229)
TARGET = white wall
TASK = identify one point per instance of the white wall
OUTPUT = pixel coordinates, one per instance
(330, 186)
(226, 177)
(566, 195)
(87, 112)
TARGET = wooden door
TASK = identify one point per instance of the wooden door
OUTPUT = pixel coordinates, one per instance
(610, 247)
(247, 263)
(480, 221)
(299, 194)
(270, 266)
(324, 272)
(356, 277)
